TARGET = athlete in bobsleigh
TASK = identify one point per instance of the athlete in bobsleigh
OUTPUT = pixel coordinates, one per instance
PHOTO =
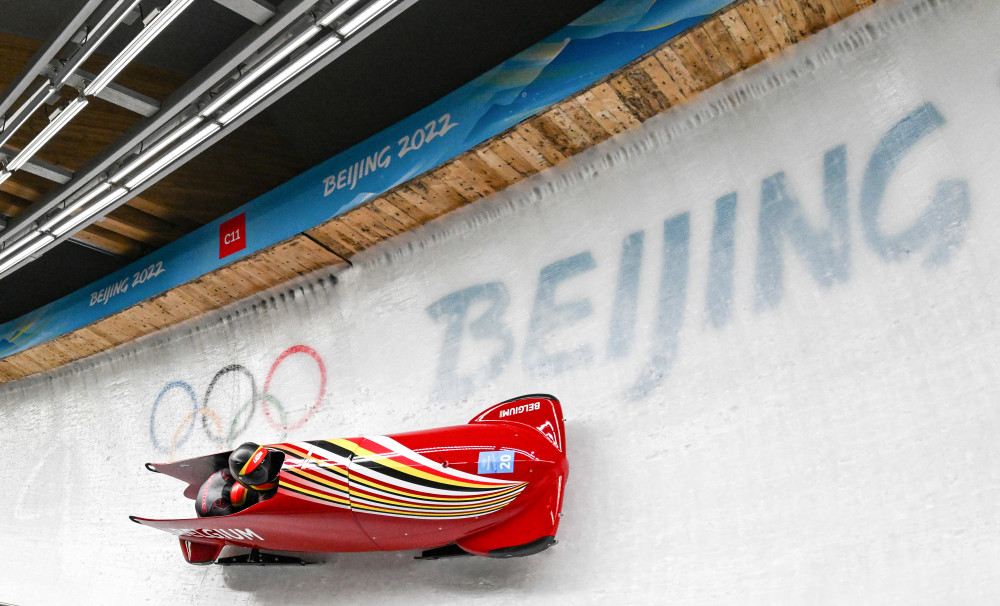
(251, 477)
(492, 487)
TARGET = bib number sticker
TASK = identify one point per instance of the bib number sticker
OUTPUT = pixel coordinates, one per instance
(496, 461)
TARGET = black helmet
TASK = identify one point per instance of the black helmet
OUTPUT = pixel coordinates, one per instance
(255, 466)
(213, 496)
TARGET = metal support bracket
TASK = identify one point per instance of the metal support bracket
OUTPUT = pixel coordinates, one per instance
(258, 11)
(43, 169)
(117, 94)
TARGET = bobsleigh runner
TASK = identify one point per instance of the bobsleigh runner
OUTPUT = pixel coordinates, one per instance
(493, 488)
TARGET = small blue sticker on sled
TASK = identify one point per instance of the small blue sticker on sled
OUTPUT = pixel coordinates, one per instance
(496, 461)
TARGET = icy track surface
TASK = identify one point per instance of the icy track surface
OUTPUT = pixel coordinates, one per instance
(770, 317)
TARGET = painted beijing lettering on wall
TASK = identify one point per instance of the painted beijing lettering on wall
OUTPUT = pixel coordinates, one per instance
(478, 317)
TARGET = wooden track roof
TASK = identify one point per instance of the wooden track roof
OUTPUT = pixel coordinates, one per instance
(743, 34)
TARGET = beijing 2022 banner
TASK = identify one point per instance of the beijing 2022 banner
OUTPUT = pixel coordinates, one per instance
(606, 38)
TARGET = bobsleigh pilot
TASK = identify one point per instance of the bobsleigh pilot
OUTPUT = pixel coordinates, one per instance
(222, 495)
(252, 476)
(256, 467)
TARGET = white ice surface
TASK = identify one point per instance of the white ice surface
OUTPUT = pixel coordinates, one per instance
(826, 434)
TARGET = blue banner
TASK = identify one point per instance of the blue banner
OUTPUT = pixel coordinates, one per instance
(606, 38)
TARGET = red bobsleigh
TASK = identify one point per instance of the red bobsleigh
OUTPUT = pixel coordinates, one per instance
(493, 487)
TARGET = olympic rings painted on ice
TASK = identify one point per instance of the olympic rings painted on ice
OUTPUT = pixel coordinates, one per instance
(208, 394)
(244, 414)
(270, 399)
(319, 398)
(205, 412)
(156, 405)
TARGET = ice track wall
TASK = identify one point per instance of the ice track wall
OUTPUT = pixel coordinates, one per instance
(770, 317)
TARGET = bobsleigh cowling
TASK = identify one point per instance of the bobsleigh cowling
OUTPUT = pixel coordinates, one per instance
(493, 487)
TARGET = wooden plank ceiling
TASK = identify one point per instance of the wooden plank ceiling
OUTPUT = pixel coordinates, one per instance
(742, 34)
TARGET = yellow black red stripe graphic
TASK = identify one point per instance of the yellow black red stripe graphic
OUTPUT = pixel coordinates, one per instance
(382, 477)
(314, 474)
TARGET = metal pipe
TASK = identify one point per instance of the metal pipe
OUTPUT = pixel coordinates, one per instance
(288, 13)
(243, 117)
(39, 63)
